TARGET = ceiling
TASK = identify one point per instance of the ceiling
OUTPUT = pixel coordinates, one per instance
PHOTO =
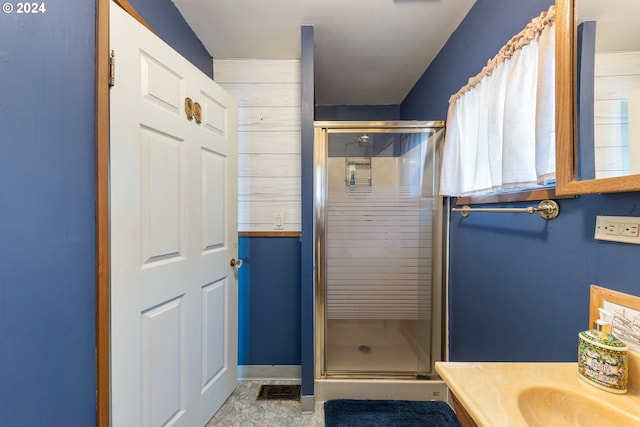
(366, 52)
(617, 23)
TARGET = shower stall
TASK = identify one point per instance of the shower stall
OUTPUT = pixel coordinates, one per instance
(378, 249)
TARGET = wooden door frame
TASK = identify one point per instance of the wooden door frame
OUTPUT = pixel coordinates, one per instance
(102, 213)
(101, 136)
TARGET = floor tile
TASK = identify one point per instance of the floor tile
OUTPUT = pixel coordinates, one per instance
(242, 409)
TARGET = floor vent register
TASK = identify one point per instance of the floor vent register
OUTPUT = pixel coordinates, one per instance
(279, 392)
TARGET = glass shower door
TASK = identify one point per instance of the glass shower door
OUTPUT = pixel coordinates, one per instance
(379, 245)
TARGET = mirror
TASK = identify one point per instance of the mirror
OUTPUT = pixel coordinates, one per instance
(597, 96)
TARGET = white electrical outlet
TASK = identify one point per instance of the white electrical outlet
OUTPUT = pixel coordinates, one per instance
(624, 229)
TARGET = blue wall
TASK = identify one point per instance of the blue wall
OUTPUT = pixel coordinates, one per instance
(47, 211)
(357, 112)
(487, 27)
(586, 63)
(269, 301)
(519, 285)
(170, 26)
(47, 255)
(307, 308)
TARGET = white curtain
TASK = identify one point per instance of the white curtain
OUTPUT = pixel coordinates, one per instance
(501, 125)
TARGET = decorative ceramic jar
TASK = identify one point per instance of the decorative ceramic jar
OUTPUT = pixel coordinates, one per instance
(602, 361)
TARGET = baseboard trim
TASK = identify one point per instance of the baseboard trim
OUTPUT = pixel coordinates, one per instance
(308, 404)
(269, 372)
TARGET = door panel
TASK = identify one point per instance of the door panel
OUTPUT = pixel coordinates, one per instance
(213, 187)
(161, 85)
(213, 327)
(163, 346)
(161, 175)
(214, 114)
(173, 214)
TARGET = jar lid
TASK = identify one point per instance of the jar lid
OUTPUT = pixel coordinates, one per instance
(603, 339)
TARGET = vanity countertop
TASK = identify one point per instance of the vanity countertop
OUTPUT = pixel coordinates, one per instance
(489, 391)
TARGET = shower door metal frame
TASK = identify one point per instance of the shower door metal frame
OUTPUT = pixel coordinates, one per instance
(322, 130)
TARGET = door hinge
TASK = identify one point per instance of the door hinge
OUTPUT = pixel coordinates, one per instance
(112, 69)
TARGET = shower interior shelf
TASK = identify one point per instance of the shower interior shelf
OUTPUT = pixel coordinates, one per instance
(357, 172)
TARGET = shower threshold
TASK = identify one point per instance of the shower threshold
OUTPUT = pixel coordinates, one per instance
(378, 375)
(380, 389)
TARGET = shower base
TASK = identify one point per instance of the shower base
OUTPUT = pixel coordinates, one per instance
(374, 346)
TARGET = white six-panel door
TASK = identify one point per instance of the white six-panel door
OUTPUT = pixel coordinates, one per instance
(173, 212)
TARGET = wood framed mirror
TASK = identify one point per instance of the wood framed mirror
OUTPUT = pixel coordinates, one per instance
(572, 103)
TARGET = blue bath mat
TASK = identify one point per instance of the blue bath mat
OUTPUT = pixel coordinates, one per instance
(388, 413)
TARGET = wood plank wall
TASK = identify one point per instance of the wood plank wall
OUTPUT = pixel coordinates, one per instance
(269, 171)
(616, 75)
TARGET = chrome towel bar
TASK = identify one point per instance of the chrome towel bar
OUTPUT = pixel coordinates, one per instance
(548, 209)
